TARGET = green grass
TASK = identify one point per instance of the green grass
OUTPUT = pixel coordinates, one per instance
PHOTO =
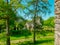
(42, 40)
(47, 39)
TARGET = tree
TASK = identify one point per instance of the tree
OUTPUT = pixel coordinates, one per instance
(2, 25)
(4, 15)
(8, 12)
(49, 22)
(18, 23)
(39, 7)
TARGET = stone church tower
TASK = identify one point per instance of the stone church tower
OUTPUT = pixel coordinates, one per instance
(57, 22)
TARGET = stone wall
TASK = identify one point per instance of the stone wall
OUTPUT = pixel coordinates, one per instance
(57, 22)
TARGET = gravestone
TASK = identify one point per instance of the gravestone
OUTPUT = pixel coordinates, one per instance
(57, 22)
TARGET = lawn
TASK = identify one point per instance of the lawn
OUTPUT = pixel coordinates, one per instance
(47, 39)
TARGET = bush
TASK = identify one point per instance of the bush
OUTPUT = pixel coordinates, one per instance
(20, 32)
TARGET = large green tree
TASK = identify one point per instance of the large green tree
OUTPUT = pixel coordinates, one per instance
(37, 8)
(8, 12)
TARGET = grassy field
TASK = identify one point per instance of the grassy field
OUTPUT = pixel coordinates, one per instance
(47, 39)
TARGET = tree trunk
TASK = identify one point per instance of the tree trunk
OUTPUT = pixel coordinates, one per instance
(7, 32)
(34, 37)
(34, 32)
(0, 29)
(14, 28)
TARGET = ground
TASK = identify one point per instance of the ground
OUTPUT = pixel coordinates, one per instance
(47, 39)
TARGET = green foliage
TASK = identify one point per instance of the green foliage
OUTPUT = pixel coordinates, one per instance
(19, 33)
(21, 25)
(10, 11)
(2, 25)
(49, 22)
(6, 11)
(17, 4)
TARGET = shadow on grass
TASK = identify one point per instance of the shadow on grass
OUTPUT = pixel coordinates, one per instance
(45, 32)
(19, 33)
(44, 41)
(37, 42)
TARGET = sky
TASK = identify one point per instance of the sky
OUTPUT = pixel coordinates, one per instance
(52, 10)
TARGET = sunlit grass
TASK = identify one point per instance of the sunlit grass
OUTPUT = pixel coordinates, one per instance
(47, 39)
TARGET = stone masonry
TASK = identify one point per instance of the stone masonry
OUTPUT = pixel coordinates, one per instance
(57, 22)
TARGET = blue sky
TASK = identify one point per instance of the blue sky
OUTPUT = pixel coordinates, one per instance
(52, 10)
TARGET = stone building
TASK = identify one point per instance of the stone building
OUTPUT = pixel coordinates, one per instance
(57, 22)
(30, 25)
